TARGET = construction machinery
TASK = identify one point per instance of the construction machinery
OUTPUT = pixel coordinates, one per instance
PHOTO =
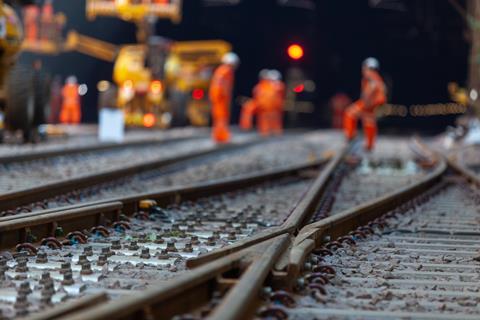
(24, 90)
(157, 82)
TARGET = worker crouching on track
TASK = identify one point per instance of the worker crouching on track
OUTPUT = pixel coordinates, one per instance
(373, 95)
(221, 89)
(267, 103)
(71, 108)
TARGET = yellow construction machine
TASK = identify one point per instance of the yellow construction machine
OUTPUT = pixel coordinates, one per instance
(158, 82)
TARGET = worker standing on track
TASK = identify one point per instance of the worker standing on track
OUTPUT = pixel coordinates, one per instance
(267, 103)
(221, 89)
(71, 108)
(373, 96)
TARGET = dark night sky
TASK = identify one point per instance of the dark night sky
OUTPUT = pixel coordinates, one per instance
(421, 48)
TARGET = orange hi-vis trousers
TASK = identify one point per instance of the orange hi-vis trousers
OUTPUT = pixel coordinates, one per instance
(70, 114)
(220, 121)
(356, 110)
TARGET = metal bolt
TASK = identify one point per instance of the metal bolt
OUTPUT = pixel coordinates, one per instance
(145, 253)
(42, 257)
(88, 251)
(68, 279)
(86, 269)
(163, 254)
(102, 260)
(107, 252)
(65, 267)
(188, 247)
(142, 238)
(115, 245)
(82, 259)
(194, 240)
(21, 266)
(210, 241)
(45, 277)
(48, 289)
(24, 288)
(133, 246)
(171, 246)
(21, 305)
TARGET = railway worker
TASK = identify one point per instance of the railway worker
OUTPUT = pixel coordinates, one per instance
(31, 22)
(267, 103)
(373, 95)
(71, 108)
(221, 88)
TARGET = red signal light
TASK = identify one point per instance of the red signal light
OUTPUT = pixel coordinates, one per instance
(299, 88)
(198, 94)
(295, 51)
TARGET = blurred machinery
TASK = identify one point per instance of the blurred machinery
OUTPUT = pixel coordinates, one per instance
(157, 82)
(25, 90)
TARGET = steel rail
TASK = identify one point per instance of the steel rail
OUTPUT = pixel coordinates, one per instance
(23, 197)
(300, 213)
(45, 223)
(45, 154)
(332, 227)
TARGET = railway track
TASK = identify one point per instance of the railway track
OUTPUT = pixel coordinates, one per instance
(203, 165)
(227, 287)
(131, 254)
(76, 145)
(238, 242)
(163, 236)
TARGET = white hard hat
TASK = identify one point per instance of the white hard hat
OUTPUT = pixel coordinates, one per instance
(231, 58)
(72, 80)
(371, 63)
(274, 75)
(263, 74)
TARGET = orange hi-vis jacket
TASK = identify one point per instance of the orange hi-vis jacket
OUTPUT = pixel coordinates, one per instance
(71, 109)
(373, 90)
(373, 96)
(71, 98)
(220, 93)
(267, 103)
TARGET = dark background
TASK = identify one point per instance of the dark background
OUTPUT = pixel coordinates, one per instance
(420, 44)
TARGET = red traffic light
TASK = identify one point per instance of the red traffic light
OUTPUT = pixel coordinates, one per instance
(295, 51)
(299, 88)
(198, 94)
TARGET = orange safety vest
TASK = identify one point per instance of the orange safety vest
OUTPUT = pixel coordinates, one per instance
(71, 98)
(269, 95)
(373, 90)
(221, 88)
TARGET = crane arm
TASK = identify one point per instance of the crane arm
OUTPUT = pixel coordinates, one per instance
(136, 11)
(90, 46)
